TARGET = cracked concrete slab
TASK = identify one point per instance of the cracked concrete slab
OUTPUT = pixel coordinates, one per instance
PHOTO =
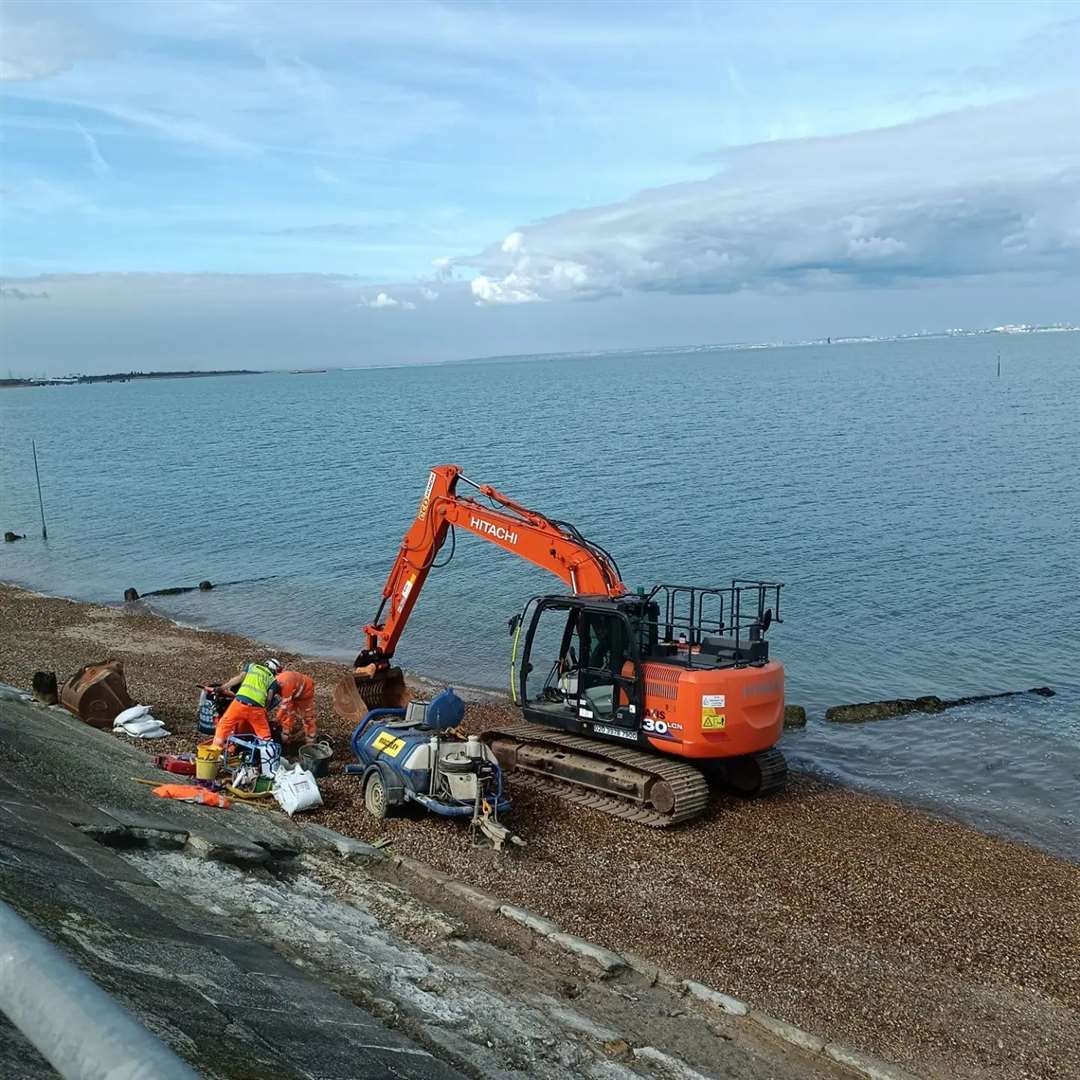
(488, 1010)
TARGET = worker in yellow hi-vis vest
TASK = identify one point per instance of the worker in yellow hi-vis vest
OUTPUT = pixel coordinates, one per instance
(255, 687)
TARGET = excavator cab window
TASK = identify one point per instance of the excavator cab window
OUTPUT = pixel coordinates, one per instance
(602, 648)
(609, 668)
(580, 663)
(550, 657)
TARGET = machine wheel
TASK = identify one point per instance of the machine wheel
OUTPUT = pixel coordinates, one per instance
(375, 801)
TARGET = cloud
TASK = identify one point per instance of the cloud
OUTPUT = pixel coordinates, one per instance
(160, 321)
(98, 165)
(512, 289)
(238, 291)
(994, 190)
(428, 294)
(514, 244)
(180, 128)
(385, 301)
(444, 268)
(37, 48)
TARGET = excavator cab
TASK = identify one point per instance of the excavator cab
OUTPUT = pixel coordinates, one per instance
(577, 665)
(612, 667)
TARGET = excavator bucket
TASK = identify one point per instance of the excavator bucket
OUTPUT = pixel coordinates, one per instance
(356, 694)
(97, 693)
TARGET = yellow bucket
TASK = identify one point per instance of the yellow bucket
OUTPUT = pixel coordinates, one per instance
(207, 761)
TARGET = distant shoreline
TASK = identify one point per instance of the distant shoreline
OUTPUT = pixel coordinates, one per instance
(1008, 330)
(121, 376)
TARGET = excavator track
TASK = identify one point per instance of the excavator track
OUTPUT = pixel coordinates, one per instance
(754, 775)
(653, 790)
(773, 767)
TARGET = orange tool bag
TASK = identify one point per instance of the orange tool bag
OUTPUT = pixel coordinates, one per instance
(192, 794)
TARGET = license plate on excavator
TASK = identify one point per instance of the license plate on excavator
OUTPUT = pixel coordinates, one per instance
(620, 732)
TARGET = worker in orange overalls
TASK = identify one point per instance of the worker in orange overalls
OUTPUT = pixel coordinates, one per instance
(247, 714)
(296, 708)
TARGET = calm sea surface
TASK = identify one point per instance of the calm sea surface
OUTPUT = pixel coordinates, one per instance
(924, 513)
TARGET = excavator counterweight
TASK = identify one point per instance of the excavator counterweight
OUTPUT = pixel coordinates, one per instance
(628, 699)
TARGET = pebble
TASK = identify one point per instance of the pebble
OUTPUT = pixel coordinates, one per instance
(863, 921)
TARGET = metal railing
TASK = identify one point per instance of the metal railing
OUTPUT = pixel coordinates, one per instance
(740, 613)
(81, 1031)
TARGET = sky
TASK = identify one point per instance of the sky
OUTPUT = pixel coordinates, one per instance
(270, 184)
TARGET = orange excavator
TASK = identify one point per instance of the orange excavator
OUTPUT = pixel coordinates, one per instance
(629, 699)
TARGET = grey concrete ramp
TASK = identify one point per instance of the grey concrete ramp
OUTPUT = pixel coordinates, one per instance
(225, 1002)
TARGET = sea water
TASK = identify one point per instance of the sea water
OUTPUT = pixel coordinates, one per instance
(923, 511)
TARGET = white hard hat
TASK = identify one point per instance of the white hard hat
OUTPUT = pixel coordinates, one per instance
(273, 665)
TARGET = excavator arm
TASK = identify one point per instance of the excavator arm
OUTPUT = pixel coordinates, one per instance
(555, 546)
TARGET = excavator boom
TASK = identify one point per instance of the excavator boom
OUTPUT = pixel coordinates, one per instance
(553, 545)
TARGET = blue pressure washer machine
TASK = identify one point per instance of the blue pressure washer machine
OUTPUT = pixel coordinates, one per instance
(408, 755)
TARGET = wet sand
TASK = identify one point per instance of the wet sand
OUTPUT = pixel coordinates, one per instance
(874, 924)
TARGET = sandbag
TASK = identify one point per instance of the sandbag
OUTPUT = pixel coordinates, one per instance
(136, 712)
(143, 727)
(97, 693)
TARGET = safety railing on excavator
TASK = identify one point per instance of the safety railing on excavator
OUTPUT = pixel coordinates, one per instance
(714, 625)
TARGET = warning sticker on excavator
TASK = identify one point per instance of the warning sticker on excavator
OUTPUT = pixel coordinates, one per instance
(387, 744)
(713, 720)
(712, 712)
(405, 590)
(425, 502)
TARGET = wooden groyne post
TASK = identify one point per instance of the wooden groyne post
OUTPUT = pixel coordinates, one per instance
(41, 503)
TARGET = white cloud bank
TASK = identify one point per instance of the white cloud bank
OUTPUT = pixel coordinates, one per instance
(36, 43)
(985, 191)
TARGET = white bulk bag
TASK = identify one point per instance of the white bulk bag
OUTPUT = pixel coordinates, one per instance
(296, 789)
